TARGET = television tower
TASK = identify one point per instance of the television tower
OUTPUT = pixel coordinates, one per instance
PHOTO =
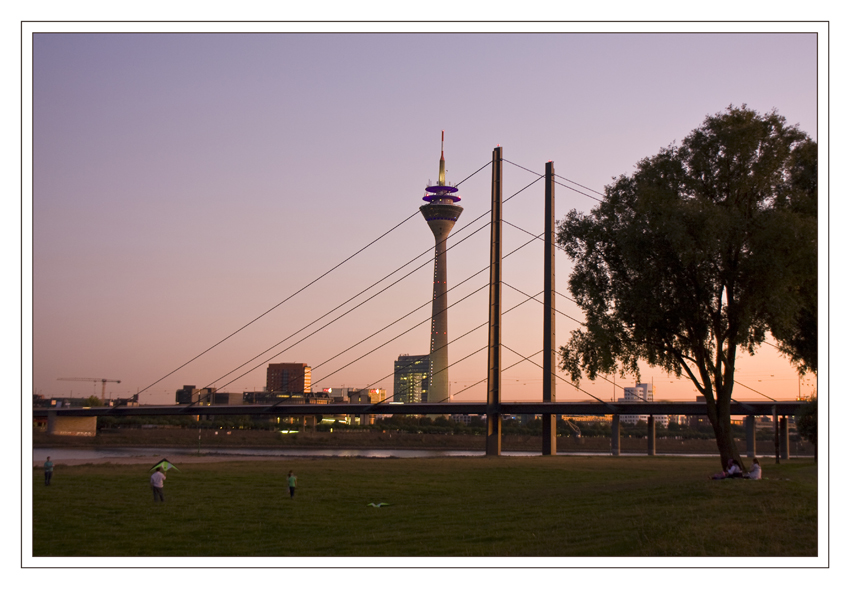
(441, 213)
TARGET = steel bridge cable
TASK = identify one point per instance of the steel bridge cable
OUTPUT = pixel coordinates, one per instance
(528, 359)
(582, 185)
(428, 251)
(540, 237)
(360, 293)
(344, 314)
(562, 249)
(453, 363)
(559, 184)
(753, 390)
(602, 377)
(578, 191)
(568, 317)
(418, 324)
(581, 323)
(541, 302)
(487, 212)
(302, 289)
(332, 321)
(475, 172)
(396, 337)
(484, 379)
(396, 321)
(401, 334)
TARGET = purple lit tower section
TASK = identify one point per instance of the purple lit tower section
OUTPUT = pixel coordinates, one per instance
(441, 212)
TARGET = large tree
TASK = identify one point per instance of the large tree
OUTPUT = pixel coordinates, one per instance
(798, 339)
(807, 422)
(701, 252)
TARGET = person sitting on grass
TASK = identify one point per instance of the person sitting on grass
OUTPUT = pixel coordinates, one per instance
(733, 471)
(755, 471)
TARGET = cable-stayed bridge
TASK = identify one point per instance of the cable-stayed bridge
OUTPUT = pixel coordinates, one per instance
(494, 407)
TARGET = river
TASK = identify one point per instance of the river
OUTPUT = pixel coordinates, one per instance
(39, 455)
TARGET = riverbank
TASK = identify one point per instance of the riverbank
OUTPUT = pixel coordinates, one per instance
(560, 506)
(209, 440)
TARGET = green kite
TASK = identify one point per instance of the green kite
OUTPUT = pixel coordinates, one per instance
(165, 464)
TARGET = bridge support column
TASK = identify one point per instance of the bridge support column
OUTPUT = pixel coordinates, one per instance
(615, 434)
(494, 434)
(550, 431)
(750, 422)
(550, 445)
(783, 438)
(51, 422)
(494, 351)
(775, 434)
(650, 435)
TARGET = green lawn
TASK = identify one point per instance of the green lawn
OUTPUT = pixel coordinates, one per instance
(507, 506)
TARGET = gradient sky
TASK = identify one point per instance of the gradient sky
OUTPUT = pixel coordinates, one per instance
(184, 184)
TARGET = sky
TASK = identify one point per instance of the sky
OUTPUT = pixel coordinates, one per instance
(183, 185)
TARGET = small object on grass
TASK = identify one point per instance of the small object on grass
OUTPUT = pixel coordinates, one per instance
(379, 505)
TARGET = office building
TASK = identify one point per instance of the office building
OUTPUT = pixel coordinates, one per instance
(288, 378)
(639, 393)
(411, 378)
(190, 394)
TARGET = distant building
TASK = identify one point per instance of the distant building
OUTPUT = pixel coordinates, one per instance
(698, 420)
(588, 418)
(288, 378)
(318, 398)
(639, 392)
(190, 394)
(411, 378)
(340, 394)
(228, 399)
(360, 396)
(280, 398)
(467, 419)
(367, 395)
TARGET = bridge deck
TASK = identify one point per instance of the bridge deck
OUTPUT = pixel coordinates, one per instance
(783, 408)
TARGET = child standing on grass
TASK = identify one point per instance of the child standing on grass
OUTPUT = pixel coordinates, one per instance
(292, 481)
(48, 471)
(157, 480)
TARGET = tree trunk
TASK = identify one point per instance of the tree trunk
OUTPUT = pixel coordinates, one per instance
(719, 414)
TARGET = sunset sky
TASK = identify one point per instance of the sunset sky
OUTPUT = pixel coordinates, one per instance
(185, 184)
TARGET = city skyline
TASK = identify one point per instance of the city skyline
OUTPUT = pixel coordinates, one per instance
(183, 185)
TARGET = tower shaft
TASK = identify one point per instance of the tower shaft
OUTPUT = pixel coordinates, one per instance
(439, 385)
(441, 219)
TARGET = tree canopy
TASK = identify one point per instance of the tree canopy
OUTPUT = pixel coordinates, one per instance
(703, 250)
(807, 422)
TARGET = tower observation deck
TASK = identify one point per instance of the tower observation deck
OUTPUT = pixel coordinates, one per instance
(441, 213)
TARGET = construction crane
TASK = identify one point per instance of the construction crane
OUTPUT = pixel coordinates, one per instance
(101, 380)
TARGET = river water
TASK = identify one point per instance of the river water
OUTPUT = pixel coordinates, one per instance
(39, 455)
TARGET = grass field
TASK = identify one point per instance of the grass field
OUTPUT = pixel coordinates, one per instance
(538, 506)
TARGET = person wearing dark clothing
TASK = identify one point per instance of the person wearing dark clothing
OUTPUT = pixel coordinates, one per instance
(292, 481)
